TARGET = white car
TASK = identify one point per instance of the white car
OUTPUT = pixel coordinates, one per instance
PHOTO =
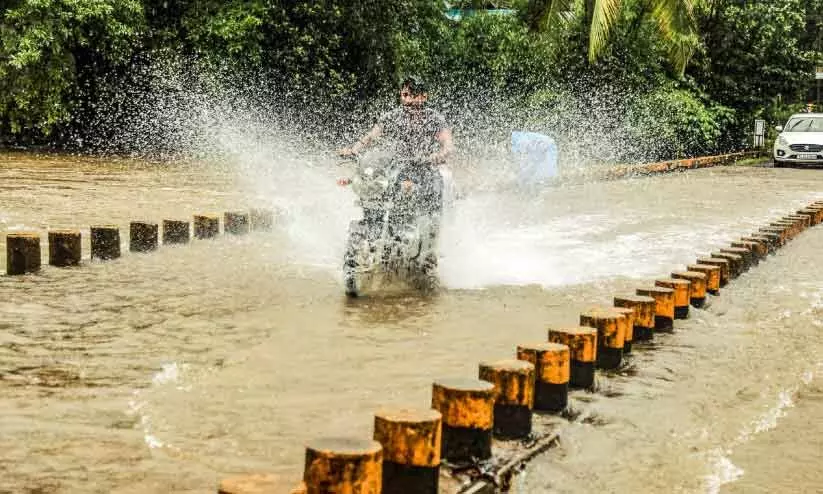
(801, 141)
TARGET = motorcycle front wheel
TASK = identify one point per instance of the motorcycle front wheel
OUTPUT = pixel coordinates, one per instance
(350, 259)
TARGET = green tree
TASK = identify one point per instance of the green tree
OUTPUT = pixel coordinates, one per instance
(53, 54)
(674, 20)
(751, 56)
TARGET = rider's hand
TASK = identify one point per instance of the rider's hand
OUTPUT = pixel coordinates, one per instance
(346, 152)
(407, 186)
(343, 181)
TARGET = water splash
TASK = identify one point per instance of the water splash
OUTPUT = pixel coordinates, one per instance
(169, 374)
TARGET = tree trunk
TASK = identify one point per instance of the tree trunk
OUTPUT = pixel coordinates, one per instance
(587, 26)
(536, 14)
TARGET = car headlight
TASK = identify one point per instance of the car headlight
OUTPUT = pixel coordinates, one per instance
(782, 141)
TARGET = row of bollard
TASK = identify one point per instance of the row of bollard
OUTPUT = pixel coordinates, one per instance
(23, 248)
(409, 446)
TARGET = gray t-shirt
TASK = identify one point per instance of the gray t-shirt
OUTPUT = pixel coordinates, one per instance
(411, 133)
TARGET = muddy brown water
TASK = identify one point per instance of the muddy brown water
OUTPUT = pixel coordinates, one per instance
(167, 371)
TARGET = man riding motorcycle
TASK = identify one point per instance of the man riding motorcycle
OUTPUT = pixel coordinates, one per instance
(415, 133)
(419, 140)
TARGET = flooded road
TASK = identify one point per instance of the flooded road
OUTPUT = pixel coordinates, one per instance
(165, 372)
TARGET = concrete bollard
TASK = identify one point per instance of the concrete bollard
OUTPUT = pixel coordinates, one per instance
(746, 254)
(780, 232)
(712, 276)
(697, 290)
(552, 372)
(142, 236)
(610, 326)
(789, 228)
(236, 223)
(261, 219)
(514, 396)
(643, 308)
(206, 226)
(796, 225)
(254, 483)
(22, 253)
(815, 215)
(105, 242)
(175, 232)
(582, 343)
(783, 229)
(753, 247)
(759, 246)
(801, 222)
(64, 248)
(411, 441)
(804, 220)
(663, 306)
(628, 328)
(467, 406)
(772, 239)
(723, 264)
(735, 263)
(343, 466)
(681, 295)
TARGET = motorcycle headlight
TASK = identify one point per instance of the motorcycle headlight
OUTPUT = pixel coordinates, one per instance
(782, 141)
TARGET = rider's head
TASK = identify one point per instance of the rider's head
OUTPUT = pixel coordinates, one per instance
(413, 92)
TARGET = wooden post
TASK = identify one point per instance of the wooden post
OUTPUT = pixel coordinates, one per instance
(175, 232)
(467, 406)
(236, 223)
(22, 253)
(206, 226)
(142, 236)
(582, 343)
(105, 242)
(411, 440)
(343, 466)
(64, 248)
(552, 371)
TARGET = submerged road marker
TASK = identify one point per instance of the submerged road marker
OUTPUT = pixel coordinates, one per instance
(582, 343)
(663, 308)
(411, 441)
(467, 406)
(64, 248)
(513, 382)
(22, 253)
(105, 242)
(552, 372)
(610, 335)
(343, 466)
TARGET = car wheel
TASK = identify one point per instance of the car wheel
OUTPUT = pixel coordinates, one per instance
(779, 164)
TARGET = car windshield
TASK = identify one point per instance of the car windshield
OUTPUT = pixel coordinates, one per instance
(805, 124)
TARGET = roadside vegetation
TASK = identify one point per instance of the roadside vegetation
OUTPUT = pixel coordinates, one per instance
(665, 78)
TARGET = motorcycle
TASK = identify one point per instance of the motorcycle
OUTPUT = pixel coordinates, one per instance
(395, 242)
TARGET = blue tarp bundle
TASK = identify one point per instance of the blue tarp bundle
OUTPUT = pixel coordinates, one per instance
(537, 155)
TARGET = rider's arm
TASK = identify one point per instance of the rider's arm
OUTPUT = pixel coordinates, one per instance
(365, 141)
(444, 137)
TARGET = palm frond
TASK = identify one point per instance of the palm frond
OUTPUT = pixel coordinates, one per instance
(604, 17)
(546, 14)
(560, 11)
(676, 23)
